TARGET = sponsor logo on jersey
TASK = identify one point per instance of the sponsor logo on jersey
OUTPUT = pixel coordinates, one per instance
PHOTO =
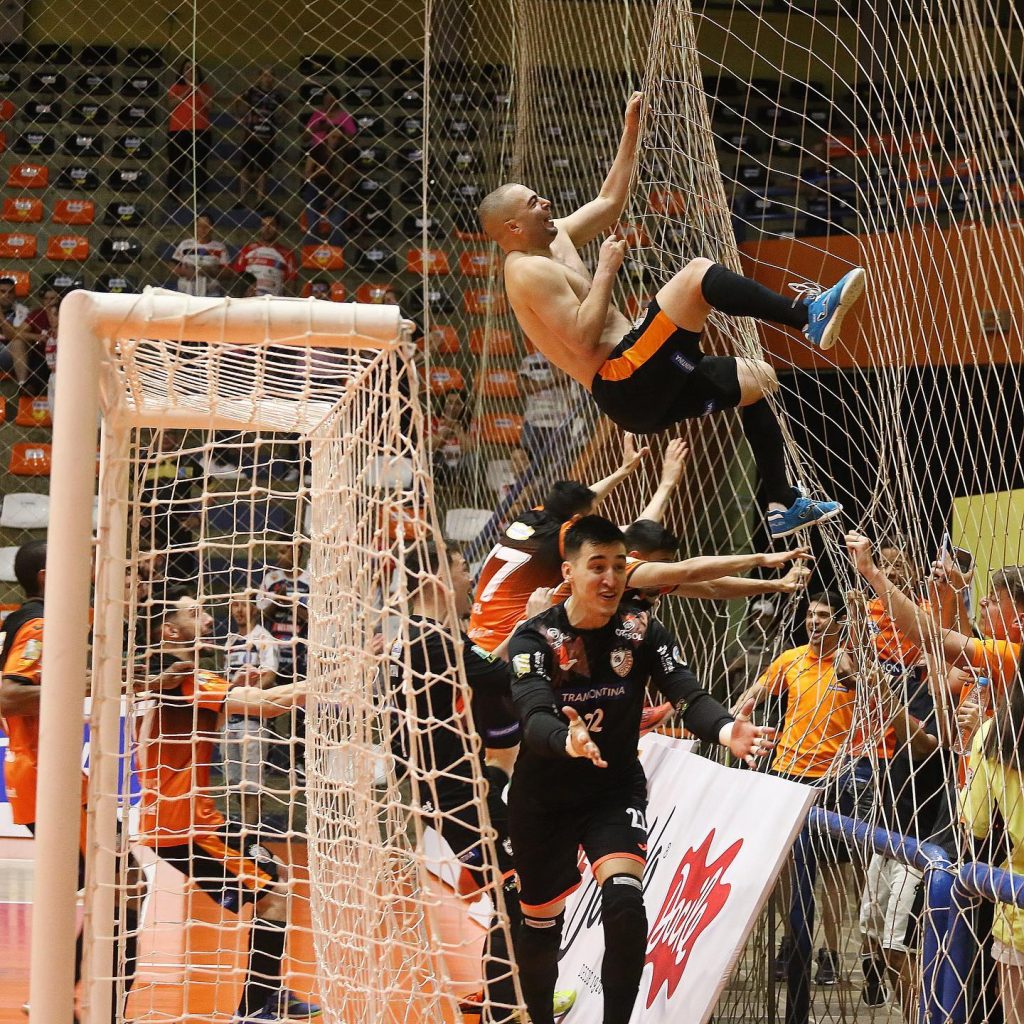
(595, 693)
(633, 626)
(519, 531)
(33, 650)
(684, 364)
(622, 661)
(521, 664)
(556, 636)
(481, 653)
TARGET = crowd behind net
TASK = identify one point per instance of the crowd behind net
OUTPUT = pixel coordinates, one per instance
(792, 140)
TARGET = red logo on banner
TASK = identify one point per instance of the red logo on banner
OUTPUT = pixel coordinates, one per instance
(695, 898)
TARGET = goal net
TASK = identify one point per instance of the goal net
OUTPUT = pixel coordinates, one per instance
(296, 573)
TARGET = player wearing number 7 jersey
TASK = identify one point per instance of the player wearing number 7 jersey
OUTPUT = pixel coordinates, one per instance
(580, 671)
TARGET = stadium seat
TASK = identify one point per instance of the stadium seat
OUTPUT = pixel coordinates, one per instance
(372, 293)
(467, 195)
(79, 176)
(464, 161)
(408, 97)
(635, 235)
(129, 215)
(64, 281)
(445, 378)
(469, 236)
(410, 125)
(498, 383)
(9, 81)
(29, 458)
(74, 248)
(464, 525)
(926, 200)
(116, 283)
(47, 80)
(25, 512)
(33, 412)
(143, 57)
(443, 339)
(136, 147)
(120, 250)
(140, 85)
(43, 111)
(499, 428)
(408, 158)
(478, 262)
(84, 144)
(318, 64)
(323, 257)
(440, 300)
(370, 158)
(103, 55)
(136, 115)
(376, 259)
(415, 225)
(7, 565)
(89, 113)
(364, 94)
(94, 84)
(28, 176)
(17, 246)
(14, 52)
(371, 125)
(34, 142)
(431, 261)
(481, 301)
(498, 341)
(22, 282)
(130, 179)
(54, 54)
(337, 292)
(838, 146)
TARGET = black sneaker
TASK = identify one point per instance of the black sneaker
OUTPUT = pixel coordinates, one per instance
(874, 992)
(781, 965)
(828, 968)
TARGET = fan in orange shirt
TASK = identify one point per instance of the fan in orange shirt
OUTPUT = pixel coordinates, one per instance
(176, 733)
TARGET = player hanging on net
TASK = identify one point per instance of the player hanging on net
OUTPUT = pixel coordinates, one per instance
(21, 658)
(580, 671)
(653, 374)
(178, 818)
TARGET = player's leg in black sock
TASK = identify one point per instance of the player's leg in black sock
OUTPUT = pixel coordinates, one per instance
(764, 435)
(537, 955)
(625, 943)
(732, 293)
(266, 954)
(499, 988)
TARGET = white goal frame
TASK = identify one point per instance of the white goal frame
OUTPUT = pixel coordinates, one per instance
(92, 327)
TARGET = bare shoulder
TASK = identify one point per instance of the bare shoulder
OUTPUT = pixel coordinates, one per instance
(528, 267)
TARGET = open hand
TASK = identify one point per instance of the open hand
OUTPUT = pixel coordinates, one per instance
(632, 454)
(677, 454)
(777, 559)
(748, 741)
(578, 743)
(795, 580)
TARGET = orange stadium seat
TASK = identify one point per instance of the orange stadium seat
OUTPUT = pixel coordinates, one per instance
(478, 262)
(917, 172)
(73, 211)
(499, 428)
(7, 110)
(29, 458)
(965, 167)
(33, 412)
(444, 339)
(499, 342)
(16, 246)
(433, 261)
(839, 145)
(499, 383)
(879, 143)
(635, 235)
(667, 201)
(1011, 194)
(22, 283)
(3, 142)
(407, 520)
(338, 291)
(323, 257)
(481, 301)
(68, 247)
(924, 199)
(23, 210)
(445, 378)
(28, 176)
(917, 142)
(372, 292)
(3, 410)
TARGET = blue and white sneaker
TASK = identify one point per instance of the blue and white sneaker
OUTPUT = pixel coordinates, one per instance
(826, 308)
(281, 1006)
(802, 513)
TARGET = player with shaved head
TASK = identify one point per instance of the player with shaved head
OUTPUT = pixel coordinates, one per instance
(652, 374)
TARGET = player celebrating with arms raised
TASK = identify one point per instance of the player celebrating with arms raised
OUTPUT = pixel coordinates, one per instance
(580, 670)
(652, 375)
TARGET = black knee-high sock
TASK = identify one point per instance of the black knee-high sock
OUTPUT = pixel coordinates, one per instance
(266, 954)
(625, 942)
(736, 295)
(537, 954)
(764, 435)
(499, 988)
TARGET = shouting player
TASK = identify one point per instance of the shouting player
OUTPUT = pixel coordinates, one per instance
(650, 375)
(580, 670)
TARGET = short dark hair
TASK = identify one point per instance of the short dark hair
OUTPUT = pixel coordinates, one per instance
(208, 214)
(833, 599)
(268, 214)
(648, 536)
(425, 559)
(9, 280)
(568, 498)
(29, 561)
(591, 530)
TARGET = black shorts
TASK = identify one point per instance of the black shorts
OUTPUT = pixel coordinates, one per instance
(258, 155)
(546, 839)
(658, 375)
(840, 797)
(459, 824)
(230, 871)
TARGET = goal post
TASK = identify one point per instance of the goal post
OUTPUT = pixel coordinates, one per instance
(335, 387)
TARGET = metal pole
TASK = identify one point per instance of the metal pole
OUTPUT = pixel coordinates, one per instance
(65, 663)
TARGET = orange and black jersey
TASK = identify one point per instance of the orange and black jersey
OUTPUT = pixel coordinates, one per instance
(528, 556)
(602, 674)
(423, 668)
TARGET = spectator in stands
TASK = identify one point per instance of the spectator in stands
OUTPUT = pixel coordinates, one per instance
(818, 682)
(272, 264)
(249, 285)
(992, 812)
(251, 659)
(13, 315)
(285, 582)
(327, 118)
(320, 288)
(546, 410)
(40, 337)
(260, 107)
(327, 176)
(450, 439)
(188, 133)
(201, 263)
(515, 470)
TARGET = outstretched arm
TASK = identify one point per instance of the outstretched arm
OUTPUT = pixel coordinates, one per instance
(730, 587)
(676, 455)
(602, 214)
(631, 458)
(708, 567)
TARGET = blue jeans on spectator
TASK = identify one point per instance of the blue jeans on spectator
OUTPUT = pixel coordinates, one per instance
(6, 360)
(320, 205)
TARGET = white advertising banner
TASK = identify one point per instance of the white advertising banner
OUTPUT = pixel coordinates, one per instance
(717, 840)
